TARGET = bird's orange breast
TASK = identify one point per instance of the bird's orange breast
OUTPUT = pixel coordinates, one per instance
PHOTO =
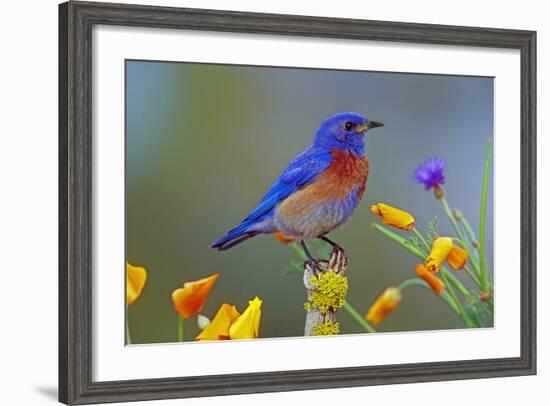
(346, 173)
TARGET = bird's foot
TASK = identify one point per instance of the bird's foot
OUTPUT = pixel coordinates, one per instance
(338, 258)
(313, 265)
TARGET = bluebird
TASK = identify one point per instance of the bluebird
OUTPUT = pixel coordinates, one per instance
(317, 192)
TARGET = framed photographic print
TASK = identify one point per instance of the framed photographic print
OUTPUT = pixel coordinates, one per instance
(257, 202)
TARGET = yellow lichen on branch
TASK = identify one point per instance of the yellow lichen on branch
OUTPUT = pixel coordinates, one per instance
(329, 291)
(328, 328)
(327, 287)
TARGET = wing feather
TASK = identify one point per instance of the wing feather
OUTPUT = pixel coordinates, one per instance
(301, 171)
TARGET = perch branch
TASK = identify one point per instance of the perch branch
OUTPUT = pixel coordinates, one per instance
(326, 286)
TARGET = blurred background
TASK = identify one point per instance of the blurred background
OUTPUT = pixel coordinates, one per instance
(204, 142)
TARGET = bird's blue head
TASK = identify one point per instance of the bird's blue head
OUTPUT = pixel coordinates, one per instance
(344, 131)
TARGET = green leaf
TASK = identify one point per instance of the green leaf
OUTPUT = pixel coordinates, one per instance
(432, 230)
(415, 242)
(479, 311)
(482, 221)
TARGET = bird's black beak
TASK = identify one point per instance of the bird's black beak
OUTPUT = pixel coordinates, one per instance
(374, 124)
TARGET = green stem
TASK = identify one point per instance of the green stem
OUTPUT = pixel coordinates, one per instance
(461, 288)
(418, 282)
(421, 238)
(472, 276)
(128, 336)
(399, 240)
(469, 246)
(299, 250)
(412, 282)
(180, 329)
(357, 317)
(449, 300)
(461, 311)
(451, 217)
(452, 292)
(469, 229)
(482, 222)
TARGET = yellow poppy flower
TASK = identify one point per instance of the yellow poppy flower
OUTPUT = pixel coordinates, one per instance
(189, 299)
(441, 248)
(228, 324)
(386, 303)
(433, 281)
(393, 216)
(248, 324)
(457, 258)
(218, 329)
(136, 276)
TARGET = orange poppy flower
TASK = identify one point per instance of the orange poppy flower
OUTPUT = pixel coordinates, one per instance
(457, 258)
(189, 299)
(433, 281)
(384, 305)
(393, 216)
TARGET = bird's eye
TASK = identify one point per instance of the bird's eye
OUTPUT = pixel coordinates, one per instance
(349, 125)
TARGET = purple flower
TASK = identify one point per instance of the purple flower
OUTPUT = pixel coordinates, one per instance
(430, 173)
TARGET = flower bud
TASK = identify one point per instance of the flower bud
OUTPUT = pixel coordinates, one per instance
(457, 214)
(384, 305)
(438, 192)
(202, 321)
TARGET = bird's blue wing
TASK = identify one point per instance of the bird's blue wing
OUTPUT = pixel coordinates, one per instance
(299, 173)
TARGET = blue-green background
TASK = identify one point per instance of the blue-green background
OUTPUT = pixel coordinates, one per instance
(204, 142)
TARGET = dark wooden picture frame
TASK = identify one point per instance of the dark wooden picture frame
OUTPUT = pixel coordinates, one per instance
(76, 20)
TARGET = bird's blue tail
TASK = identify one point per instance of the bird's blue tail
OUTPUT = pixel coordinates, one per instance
(232, 238)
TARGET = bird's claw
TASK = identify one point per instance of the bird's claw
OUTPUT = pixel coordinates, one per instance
(312, 264)
(338, 258)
